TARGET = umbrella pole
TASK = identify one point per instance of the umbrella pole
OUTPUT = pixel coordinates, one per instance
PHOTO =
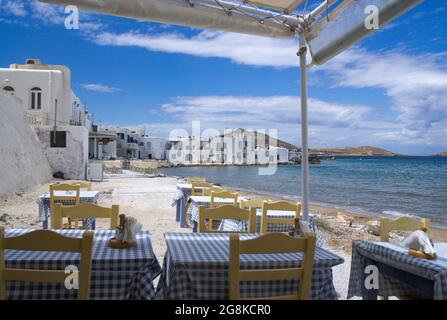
(304, 143)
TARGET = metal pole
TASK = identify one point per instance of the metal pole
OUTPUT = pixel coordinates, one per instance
(55, 121)
(304, 143)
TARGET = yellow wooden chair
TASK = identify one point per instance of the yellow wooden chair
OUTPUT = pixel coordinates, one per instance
(86, 210)
(46, 240)
(198, 187)
(281, 206)
(76, 198)
(268, 244)
(400, 224)
(255, 203)
(207, 192)
(84, 185)
(223, 195)
(208, 215)
(195, 179)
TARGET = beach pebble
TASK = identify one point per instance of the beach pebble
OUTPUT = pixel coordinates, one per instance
(373, 227)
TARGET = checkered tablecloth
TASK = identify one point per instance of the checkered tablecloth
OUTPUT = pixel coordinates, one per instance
(196, 267)
(396, 256)
(116, 273)
(43, 203)
(196, 201)
(181, 195)
(239, 225)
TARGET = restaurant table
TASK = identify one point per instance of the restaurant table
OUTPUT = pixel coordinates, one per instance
(196, 201)
(116, 274)
(196, 267)
(181, 196)
(399, 273)
(241, 225)
(43, 203)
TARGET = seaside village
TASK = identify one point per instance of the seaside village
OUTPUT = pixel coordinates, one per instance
(150, 233)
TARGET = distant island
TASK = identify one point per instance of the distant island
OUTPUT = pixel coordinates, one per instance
(441, 154)
(355, 151)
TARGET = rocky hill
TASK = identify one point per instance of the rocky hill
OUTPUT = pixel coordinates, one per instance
(441, 154)
(355, 151)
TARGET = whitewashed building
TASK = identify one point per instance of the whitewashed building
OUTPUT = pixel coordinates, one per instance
(60, 119)
(134, 143)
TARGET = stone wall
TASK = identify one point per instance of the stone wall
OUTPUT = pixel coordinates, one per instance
(23, 161)
(72, 159)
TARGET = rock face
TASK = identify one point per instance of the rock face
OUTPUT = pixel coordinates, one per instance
(23, 162)
(373, 227)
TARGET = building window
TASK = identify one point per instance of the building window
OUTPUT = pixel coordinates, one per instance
(36, 98)
(58, 140)
(149, 145)
(8, 89)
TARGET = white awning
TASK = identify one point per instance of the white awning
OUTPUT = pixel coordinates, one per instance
(207, 14)
(285, 5)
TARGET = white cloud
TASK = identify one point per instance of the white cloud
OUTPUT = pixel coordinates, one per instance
(329, 122)
(100, 88)
(14, 8)
(241, 49)
(417, 86)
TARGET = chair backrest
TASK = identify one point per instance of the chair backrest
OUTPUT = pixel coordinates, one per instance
(207, 215)
(223, 195)
(400, 224)
(280, 206)
(198, 187)
(86, 210)
(75, 198)
(84, 185)
(46, 240)
(207, 192)
(195, 179)
(255, 203)
(268, 244)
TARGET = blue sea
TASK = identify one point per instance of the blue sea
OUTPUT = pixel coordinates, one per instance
(378, 186)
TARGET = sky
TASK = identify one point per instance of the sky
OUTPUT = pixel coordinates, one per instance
(389, 90)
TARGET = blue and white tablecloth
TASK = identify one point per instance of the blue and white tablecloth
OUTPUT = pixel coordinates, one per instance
(181, 195)
(196, 267)
(43, 203)
(116, 273)
(396, 256)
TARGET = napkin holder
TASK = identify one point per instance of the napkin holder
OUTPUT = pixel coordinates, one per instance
(117, 242)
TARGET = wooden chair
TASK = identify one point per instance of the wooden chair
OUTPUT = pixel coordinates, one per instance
(76, 198)
(207, 192)
(46, 240)
(268, 244)
(84, 185)
(255, 203)
(223, 195)
(281, 206)
(400, 224)
(207, 215)
(195, 179)
(86, 210)
(198, 187)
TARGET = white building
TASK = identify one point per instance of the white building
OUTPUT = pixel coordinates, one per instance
(134, 143)
(45, 93)
(57, 114)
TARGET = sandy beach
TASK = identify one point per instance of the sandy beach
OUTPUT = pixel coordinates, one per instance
(149, 200)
